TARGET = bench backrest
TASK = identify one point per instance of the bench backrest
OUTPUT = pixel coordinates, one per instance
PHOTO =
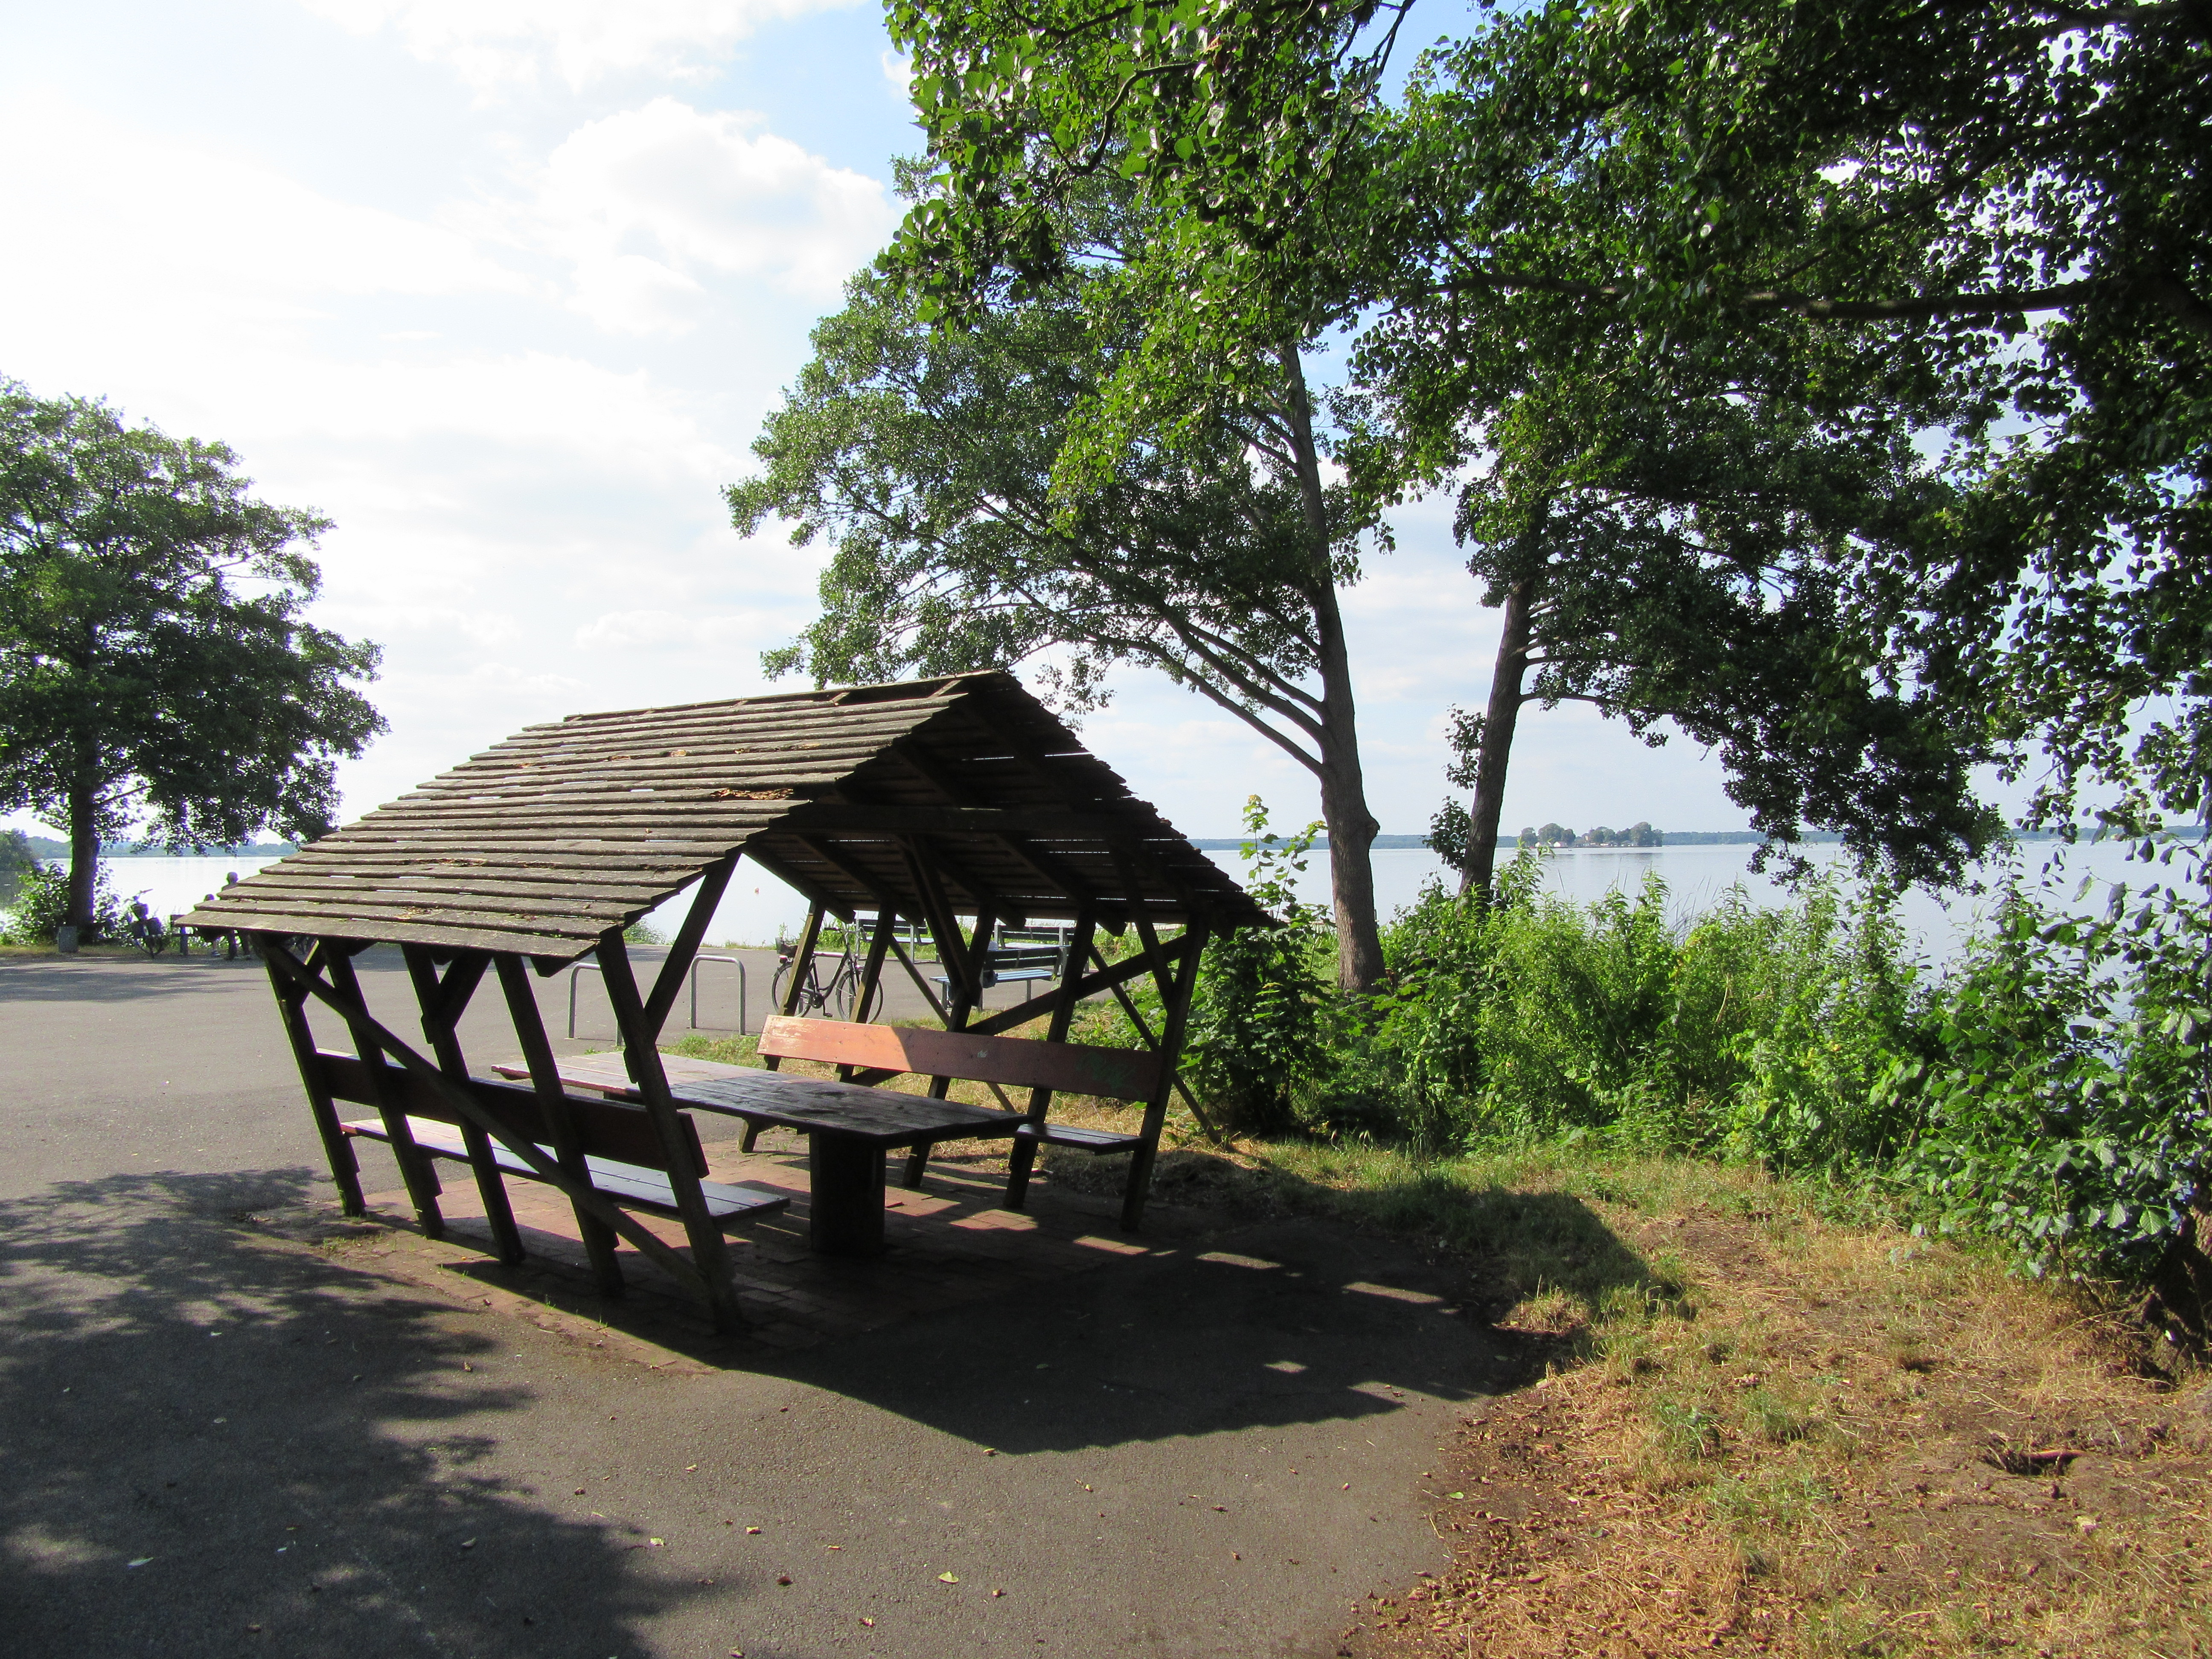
(1017, 1062)
(605, 1128)
(1024, 956)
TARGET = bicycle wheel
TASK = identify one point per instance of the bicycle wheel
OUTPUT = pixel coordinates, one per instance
(775, 986)
(839, 998)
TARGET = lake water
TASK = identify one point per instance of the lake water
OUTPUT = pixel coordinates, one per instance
(758, 908)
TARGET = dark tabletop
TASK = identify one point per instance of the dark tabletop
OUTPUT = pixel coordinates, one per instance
(881, 1116)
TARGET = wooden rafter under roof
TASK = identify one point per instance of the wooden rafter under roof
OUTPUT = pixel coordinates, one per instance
(542, 842)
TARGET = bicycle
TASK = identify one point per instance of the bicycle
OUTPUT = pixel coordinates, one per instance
(147, 932)
(833, 996)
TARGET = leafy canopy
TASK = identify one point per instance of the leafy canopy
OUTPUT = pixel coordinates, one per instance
(156, 668)
(929, 459)
(2016, 196)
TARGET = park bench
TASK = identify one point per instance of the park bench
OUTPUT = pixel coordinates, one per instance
(1005, 963)
(617, 1143)
(872, 1054)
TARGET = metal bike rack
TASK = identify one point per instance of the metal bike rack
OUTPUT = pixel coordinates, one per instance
(690, 975)
(694, 977)
(581, 968)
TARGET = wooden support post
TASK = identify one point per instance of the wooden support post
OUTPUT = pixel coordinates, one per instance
(710, 1251)
(469, 1109)
(1022, 1157)
(943, 925)
(976, 953)
(1133, 889)
(712, 885)
(345, 1169)
(553, 1102)
(967, 984)
(1137, 1020)
(415, 1167)
(802, 964)
(1155, 1109)
(871, 970)
(442, 1003)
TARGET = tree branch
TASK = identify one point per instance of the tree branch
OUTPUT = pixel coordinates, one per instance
(1925, 307)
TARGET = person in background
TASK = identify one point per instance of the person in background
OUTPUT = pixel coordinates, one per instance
(233, 942)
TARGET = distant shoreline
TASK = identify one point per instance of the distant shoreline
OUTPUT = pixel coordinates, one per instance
(46, 847)
(1671, 838)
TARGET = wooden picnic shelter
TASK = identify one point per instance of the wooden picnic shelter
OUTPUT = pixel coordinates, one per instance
(916, 802)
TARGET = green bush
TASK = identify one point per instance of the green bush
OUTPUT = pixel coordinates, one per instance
(2052, 1090)
(1754, 1033)
(2064, 1085)
(1256, 1040)
(42, 905)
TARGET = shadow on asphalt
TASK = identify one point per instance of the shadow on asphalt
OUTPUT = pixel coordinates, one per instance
(1232, 1326)
(1282, 1323)
(205, 1432)
(114, 979)
(286, 1442)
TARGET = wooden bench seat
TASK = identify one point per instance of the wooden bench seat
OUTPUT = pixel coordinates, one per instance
(871, 1054)
(619, 1148)
(628, 1184)
(1087, 1141)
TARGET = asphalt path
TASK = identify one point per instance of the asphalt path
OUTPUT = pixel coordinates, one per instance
(214, 1441)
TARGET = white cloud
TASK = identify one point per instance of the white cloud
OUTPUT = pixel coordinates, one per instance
(633, 630)
(543, 404)
(241, 244)
(494, 42)
(646, 202)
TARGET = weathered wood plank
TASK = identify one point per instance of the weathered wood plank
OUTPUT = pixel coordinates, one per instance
(559, 947)
(344, 876)
(446, 898)
(343, 909)
(724, 731)
(1016, 1062)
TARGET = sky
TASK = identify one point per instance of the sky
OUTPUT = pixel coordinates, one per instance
(505, 288)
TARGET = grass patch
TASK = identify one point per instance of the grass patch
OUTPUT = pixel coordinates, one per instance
(1773, 1431)
(724, 1050)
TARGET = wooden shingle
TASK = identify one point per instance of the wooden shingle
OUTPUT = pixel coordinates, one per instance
(541, 843)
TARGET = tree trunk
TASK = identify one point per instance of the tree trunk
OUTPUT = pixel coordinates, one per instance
(1351, 830)
(1499, 721)
(1351, 826)
(84, 856)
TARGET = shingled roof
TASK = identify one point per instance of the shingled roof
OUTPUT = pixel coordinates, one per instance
(540, 843)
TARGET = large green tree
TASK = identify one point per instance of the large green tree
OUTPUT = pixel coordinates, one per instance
(2018, 194)
(1207, 545)
(156, 673)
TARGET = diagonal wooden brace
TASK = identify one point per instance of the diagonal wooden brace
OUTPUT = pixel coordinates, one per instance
(461, 1101)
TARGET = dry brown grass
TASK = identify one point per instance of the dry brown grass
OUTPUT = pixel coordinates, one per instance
(1838, 1440)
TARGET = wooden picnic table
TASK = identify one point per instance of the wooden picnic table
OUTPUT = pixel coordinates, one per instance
(849, 1128)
